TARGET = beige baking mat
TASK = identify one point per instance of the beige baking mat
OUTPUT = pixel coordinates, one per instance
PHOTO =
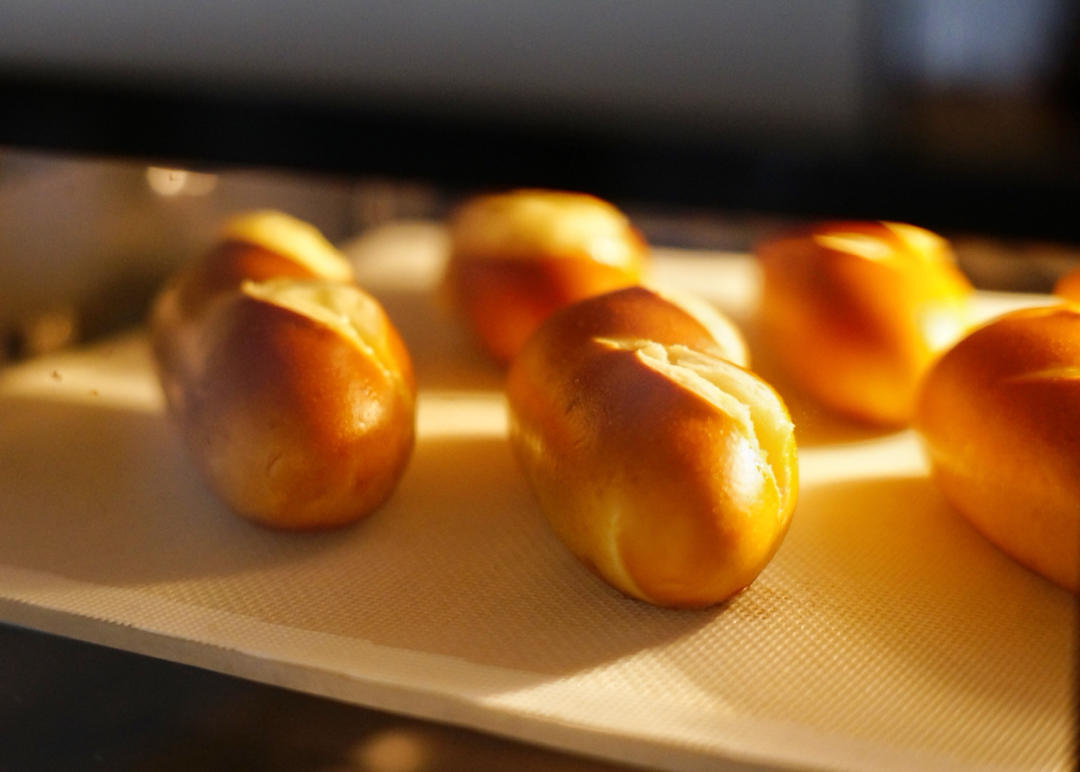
(885, 634)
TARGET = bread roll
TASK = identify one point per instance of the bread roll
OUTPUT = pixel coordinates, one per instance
(999, 416)
(516, 257)
(251, 246)
(1068, 286)
(667, 469)
(294, 395)
(856, 311)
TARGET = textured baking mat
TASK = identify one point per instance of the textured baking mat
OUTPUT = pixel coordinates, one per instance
(885, 634)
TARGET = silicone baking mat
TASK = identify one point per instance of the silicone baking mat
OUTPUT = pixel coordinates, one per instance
(886, 633)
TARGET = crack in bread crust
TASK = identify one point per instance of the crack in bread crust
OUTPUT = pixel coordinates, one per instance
(748, 402)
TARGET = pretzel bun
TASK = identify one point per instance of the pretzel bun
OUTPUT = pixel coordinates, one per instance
(999, 417)
(251, 246)
(856, 311)
(515, 257)
(667, 469)
(1068, 286)
(294, 395)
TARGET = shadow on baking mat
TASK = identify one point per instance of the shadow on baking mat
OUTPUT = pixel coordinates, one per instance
(104, 494)
(885, 617)
(460, 563)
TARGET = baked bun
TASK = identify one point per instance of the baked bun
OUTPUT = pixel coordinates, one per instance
(856, 311)
(294, 394)
(251, 246)
(1068, 286)
(667, 469)
(999, 416)
(516, 257)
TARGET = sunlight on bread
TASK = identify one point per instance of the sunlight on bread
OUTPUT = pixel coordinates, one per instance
(290, 386)
(999, 417)
(664, 467)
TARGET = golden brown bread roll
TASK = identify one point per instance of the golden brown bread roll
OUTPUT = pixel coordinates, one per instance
(667, 469)
(999, 416)
(295, 396)
(251, 246)
(1068, 286)
(515, 257)
(856, 311)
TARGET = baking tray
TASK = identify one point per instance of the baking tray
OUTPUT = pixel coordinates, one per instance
(886, 633)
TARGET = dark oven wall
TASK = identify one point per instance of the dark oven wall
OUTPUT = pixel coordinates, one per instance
(956, 115)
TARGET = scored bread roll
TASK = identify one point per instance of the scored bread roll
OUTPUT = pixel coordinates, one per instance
(856, 311)
(515, 257)
(251, 246)
(663, 466)
(290, 386)
(999, 417)
(1068, 286)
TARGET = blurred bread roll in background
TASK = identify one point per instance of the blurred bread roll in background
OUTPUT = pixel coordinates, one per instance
(855, 312)
(1068, 286)
(290, 386)
(663, 466)
(999, 416)
(517, 256)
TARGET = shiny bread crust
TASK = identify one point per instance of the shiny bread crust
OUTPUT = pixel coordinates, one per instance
(999, 418)
(517, 256)
(673, 493)
(856, 311)
(299, 416)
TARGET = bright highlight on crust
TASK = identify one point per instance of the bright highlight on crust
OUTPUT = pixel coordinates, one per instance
(525, 222)
(919, 240)
(917, 243)
(1049, 375)
(858, 244)
(291, 238)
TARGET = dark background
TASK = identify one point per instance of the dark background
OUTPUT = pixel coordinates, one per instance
(955, 114)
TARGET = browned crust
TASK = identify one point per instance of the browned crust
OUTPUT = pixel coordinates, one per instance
(292, 424)
(999, 415)
(643, 479)
(853, 331)
(505, 284)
